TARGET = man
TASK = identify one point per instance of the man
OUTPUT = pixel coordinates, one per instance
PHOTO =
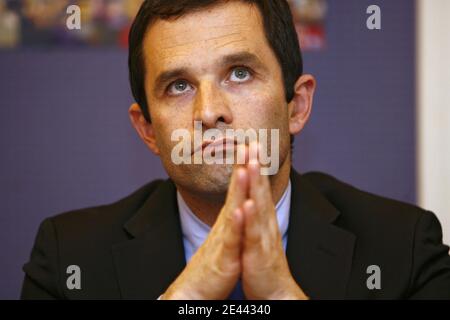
(218, 231)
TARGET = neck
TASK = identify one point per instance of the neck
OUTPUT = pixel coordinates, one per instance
(207, 207)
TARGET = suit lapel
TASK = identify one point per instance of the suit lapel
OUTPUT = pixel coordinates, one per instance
(147, 264)
(319, 253)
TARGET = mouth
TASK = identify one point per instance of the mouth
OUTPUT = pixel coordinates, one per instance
(216, 145)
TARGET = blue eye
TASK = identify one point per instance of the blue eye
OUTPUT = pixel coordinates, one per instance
(178, 87)
(240, 75)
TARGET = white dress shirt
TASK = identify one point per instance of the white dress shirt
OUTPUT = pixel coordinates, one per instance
(196, 231)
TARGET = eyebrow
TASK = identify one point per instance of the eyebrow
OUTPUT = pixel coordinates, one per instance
(245, 58)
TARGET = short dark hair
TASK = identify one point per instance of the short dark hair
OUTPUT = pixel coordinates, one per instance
(278, 26)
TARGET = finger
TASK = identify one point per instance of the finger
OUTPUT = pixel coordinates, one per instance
(238, 188)
(253, 165)
(259, 185)
(252, 227)
(233, 234)
(253, 152)
(232, 217)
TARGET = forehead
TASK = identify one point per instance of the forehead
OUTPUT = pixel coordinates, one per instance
(204, 35)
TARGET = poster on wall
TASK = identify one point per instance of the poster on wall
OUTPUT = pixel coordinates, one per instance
(42, 23)
(309, 17)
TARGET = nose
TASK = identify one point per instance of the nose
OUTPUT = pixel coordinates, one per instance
(211, 106)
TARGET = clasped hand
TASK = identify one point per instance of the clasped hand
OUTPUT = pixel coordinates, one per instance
(245, 242)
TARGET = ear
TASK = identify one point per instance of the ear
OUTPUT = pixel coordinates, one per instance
(143, 127)
(301, 105)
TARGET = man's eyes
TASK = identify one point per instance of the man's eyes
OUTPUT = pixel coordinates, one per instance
(240, 74)
(178, 87)
(237, 75)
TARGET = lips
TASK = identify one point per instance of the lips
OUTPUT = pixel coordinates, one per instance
(216, 144)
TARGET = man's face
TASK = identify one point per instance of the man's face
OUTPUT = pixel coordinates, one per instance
(215, 66)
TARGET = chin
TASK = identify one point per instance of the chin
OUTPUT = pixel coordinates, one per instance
(205, 179)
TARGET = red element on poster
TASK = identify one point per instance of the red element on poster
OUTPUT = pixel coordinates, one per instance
(309, 17)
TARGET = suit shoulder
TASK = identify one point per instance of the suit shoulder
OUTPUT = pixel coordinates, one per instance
(108, 215)
(359, 206)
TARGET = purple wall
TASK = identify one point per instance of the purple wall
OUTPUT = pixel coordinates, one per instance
(67, 142)
(363, 124)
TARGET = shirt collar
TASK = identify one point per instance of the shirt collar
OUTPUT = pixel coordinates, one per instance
(196, 231)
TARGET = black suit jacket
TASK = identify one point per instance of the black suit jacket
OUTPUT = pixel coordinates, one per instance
(133, 249)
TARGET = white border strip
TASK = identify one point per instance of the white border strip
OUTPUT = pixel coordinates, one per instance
(433, 109)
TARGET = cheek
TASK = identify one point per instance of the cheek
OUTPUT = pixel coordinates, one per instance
(164, 127)
(260, 110)
(167, 119)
